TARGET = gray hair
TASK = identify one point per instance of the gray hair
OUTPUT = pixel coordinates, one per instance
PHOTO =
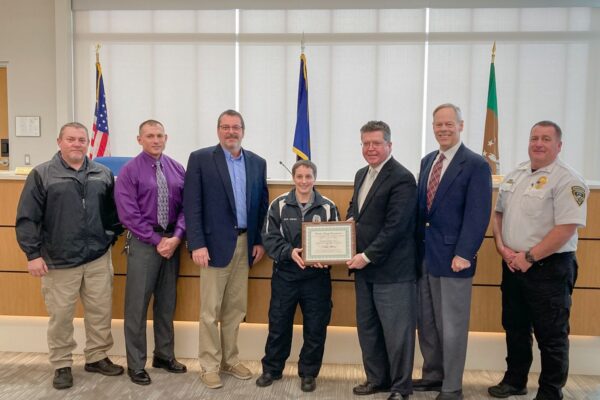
(374, 126)
(456, 109)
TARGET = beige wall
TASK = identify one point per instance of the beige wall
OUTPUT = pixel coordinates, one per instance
(28, 46)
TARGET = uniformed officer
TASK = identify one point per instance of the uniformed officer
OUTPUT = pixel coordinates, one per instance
(540, 206)
(294, 282)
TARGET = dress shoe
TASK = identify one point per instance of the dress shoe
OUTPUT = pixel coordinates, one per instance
(238, 370)
(456, 395)
(425, 385)
(105, 367)
(367, 388)
(171, 365)
(397, 396)
(62, 378)
(139, 376)
(308, 384)
(504, 390)
(266, 379)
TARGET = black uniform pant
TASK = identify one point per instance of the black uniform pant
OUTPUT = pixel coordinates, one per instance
(314, 297)
(148, 273)
(539, 301)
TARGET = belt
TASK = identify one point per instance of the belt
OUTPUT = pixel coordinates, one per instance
(159, 229)
(241, 231)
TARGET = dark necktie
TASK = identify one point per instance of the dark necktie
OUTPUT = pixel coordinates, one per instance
(162, 210)
(434, 180)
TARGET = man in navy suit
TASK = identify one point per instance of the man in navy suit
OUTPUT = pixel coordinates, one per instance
(383, 207)
(225, 202)
(454, 203)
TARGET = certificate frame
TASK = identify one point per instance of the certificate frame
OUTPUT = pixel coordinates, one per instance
(328, 242)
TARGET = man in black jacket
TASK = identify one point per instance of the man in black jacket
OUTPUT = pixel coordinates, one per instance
(66, 223)
(383, 206)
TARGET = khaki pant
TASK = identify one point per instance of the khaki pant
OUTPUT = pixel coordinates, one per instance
(223, 301)
(92, 283)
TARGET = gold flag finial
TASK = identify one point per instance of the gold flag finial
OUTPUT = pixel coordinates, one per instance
(98, 45)
(494, 52)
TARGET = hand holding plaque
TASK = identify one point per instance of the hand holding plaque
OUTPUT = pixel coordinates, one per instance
(328, 242)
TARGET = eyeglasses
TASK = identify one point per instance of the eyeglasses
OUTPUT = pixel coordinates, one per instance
(235, 128)
(375, 145)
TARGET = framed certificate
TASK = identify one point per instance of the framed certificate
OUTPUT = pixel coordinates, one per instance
(328, 242)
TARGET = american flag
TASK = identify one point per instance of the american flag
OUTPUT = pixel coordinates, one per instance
(99, 145)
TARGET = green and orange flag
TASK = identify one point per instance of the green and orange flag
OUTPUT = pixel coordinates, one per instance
(490, 137)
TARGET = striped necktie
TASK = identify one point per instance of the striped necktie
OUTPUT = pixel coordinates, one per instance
(162, 209)
(434, 180)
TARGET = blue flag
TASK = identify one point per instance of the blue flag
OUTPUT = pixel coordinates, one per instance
(302, 135)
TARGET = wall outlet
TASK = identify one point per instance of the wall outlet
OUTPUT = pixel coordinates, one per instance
(27, 159)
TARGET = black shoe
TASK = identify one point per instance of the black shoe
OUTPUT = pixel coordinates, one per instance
(367, 388)
(397, 396)
(504, 390)
(62, 378)
(425, 385)
(172, 365)
(139, 376)
(266, 379)
(456, 395)
(105, 367)
(308, 384)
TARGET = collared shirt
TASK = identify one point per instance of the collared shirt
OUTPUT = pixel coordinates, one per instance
(136, 196)
(532, 203)
(449, 154)
(237, 174)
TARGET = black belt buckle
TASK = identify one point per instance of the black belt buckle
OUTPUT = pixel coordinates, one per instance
(241, 231)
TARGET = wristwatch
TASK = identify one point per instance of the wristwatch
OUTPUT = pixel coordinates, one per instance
(529, 257)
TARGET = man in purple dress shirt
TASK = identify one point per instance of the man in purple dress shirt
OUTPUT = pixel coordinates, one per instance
(148, 194)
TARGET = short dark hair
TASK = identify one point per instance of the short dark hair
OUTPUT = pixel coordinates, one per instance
(76, 125)
(150, 122)
(547, 123)
(304, 163)
(374, 126)
(232, 113)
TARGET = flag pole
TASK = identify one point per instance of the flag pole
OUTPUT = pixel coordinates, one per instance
(302, 43)
(98, 45)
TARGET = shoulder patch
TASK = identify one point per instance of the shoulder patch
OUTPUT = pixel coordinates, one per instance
(578, 194)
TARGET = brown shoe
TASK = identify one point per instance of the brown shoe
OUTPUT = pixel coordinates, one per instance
(239, 371)
(211, 380)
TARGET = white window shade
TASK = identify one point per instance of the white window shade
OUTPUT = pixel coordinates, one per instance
(179, 67)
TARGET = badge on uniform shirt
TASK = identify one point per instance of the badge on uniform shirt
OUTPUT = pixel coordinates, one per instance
(541, 182)
(316, 218)
(578, 194)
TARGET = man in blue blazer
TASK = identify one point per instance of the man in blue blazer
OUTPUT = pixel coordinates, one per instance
(454, 203)
(383, 208)
(225, 201)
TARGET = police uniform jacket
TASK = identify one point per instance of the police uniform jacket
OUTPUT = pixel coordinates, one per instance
(283, 231)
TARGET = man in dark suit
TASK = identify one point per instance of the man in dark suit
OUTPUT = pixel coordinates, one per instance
(383, 206)
(454, 203)
(225, 202)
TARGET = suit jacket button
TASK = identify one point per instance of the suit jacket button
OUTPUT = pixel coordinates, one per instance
(427, 224)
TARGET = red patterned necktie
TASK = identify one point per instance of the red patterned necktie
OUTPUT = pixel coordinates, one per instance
(434, 180)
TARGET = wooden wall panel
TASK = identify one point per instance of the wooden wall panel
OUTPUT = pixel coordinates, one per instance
(486, 306)
(11, 256)
(585, 314)
(10, 191)
(20, 293)
(489, 267)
